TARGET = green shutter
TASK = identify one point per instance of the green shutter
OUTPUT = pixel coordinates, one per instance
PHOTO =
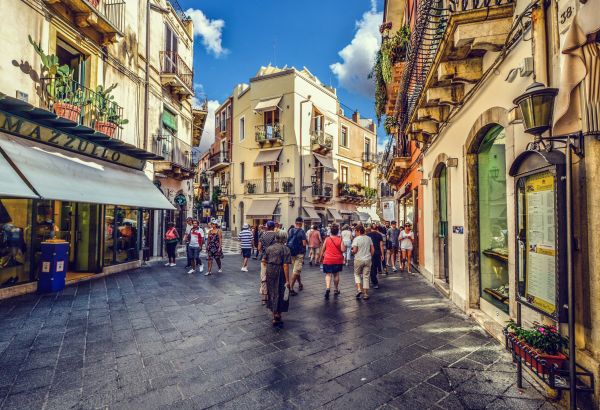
(169, 120)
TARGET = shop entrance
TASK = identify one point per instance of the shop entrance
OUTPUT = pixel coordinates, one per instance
(76, 223)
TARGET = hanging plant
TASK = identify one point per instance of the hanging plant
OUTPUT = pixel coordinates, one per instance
(380, 88)
(390, 124)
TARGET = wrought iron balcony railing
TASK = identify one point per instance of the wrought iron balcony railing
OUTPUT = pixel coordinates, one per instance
(323, 190)
(222, 157)
(74, 102)
(321, 138)
(369, 157)
(173, 150)
(269, 132)
(269, 186)
(172, 63)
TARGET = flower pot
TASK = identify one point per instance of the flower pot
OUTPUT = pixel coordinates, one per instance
(534, 356)
(68, 111)
(105, 127)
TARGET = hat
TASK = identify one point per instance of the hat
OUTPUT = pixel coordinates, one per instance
(270, 224)
(246, 226)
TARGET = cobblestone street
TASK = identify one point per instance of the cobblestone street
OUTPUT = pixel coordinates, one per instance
(159, 338)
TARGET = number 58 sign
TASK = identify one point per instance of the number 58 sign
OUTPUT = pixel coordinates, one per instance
(566, 13)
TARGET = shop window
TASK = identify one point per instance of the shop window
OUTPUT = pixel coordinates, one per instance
(120, 235)
(493, 227)
(15, 241)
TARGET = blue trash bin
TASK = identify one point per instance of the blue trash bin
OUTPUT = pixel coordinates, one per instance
(53, 266)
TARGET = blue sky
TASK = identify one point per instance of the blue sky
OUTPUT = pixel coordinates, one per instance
(235, 37)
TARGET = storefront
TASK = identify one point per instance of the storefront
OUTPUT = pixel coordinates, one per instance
(70, 183)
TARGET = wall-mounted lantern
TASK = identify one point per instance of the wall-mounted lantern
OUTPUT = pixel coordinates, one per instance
(537, 107)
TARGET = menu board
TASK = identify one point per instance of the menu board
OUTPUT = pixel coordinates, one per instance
(540, 286)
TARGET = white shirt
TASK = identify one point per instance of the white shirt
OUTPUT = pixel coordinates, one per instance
(347, 236)
(363, 244)
(405, 242)
(194, 237)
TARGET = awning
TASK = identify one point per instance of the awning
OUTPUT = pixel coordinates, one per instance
(268, 105)
(11, 184)
(363, 216)
(330, 117)
(312, 214)
(335, 214)
(169, 120)
(268, 157)
(369, 211)
(58, 174)
(262, 208)
(326, 162)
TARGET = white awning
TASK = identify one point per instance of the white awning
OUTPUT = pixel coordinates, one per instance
(262, 208)
(328, 116)
(268, 105)
(268, 157)
(58, 174)
(335, 214)
(11, 184)
(326, 162)
(312, 214)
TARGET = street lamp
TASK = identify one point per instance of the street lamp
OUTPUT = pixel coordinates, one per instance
(537, 106)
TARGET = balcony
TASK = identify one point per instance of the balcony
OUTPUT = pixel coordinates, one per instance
(369, 160)
(223, 190)
(75, 103)
(177, 156)
(176, 74)
(322, 192)
(104, 17)
(269, 186)
(399, 162)
(320, 141)
(219, 161)
(269, 133)
(199, 115)
(356, 194)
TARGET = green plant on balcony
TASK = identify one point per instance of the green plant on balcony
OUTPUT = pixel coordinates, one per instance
(390, 124)
(314, 139)
(216, 194)
(328, 190)
(250, 187)
(370, 193)
(328, 141)
(343, 188)
(287, 186)
(107, 113)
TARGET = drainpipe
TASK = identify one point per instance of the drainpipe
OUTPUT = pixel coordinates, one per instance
(540, 46)
(301, 158)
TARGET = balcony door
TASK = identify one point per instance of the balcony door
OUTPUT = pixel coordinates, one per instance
(72, 57)
(270, 179)
(271, 121)
(367, 147)
(171, 46)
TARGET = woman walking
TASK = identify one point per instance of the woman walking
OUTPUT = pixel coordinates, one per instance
(406, 247)
(276, 260)
(347, 241)
(214, 249)
(314, 243)
(332, 258)
(171, 241)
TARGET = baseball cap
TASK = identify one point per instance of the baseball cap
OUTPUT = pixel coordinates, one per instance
(270, 224)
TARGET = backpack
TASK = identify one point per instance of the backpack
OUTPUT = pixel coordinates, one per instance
(294, 242)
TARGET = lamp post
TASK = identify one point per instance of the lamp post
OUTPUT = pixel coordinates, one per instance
(537, 107)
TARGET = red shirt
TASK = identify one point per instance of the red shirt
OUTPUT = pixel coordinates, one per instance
(333, 251)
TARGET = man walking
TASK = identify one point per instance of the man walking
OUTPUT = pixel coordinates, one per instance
(392, 237)
(188, 227)
(245, 238)
(267, 239)
(194, 240)
(363, 250)
(378, 254)
(297, 245)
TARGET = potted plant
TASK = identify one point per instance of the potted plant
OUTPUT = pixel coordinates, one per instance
(59, 90)
(541, 342)
(390, 124)
(328, 141)
(250, 187)
(287, 186)
(328, 191)
(107, 115)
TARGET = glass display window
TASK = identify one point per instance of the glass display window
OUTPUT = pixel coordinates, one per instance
(493, 224)
(15, 241)
(121, 235)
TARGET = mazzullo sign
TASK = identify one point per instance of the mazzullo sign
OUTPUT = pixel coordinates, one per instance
(23, 128)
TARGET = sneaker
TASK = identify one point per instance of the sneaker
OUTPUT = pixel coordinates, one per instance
(376, 287)
(358, 295)
(191, 271)
(208, 273)
(201, 268)
(168, 264)
(244, 269)
(394, 269)
(172, 264)
(220, 271)
(327, 294)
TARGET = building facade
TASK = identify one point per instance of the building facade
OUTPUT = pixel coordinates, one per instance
(487, 244)
(91, 65)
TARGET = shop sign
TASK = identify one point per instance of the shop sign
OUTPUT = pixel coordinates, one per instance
(26, 129)
(389, 210)
(180, 200)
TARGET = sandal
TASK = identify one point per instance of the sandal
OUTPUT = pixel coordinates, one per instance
(300, 286)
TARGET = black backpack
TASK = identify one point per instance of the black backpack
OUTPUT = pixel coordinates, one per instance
(294, 242)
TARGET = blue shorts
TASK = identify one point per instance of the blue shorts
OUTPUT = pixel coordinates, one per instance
(335, 268)
(246, 252)
(193, 253)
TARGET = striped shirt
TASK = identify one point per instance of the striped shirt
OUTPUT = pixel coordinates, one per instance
(246, 239)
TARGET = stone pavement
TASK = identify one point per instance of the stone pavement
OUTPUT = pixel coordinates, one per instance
(159, 338)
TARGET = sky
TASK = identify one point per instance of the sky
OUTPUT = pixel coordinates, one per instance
(335, 39)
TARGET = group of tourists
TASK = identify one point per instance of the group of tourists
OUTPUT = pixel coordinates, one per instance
(194, 238)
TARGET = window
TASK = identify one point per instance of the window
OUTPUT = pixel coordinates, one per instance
(242, 129)
(367, 180)
(344, 174)
(170, 55)
(344, 138)
(223, 120)
(228, 111)
(367, 146)
(242, 172)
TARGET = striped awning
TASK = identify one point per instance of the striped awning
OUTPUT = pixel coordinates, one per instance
(326, 162)
(311, 213)
(268, 105)
(335, 214)
(268, 157)
(262, 208)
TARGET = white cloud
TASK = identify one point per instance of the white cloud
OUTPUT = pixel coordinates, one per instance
(358, 57)
(211, 31)
(208, 136)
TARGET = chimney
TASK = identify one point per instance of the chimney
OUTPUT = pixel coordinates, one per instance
(356, 117)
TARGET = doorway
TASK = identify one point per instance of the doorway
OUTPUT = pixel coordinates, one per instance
(441, 216)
